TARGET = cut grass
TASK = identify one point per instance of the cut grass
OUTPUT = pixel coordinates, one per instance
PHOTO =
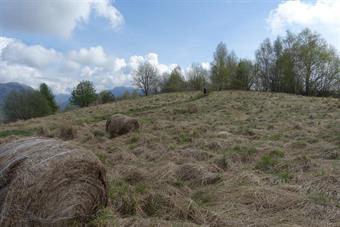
(267, 150)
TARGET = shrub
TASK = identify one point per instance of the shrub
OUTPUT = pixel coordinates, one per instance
(24, 105)
(47, 93)
(105, 97)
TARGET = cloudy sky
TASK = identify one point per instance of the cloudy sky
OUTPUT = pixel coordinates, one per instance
(65, 41)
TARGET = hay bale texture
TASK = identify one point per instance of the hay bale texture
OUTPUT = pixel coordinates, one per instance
(120, 124)
(47, 182)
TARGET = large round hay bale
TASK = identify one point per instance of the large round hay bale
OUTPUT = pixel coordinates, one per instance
(47, 182)
(120, 124)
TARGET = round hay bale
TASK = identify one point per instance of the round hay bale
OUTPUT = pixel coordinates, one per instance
(120, 124)
(46, 182)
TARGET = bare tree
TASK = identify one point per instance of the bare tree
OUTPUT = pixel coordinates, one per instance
(146, 78)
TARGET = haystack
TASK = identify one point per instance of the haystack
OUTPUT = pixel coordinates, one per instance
(120, 124)
(47, 182)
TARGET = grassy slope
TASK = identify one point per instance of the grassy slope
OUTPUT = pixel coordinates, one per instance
(254, 158)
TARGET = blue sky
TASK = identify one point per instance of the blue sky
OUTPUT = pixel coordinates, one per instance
(178, 31)
(86, 37)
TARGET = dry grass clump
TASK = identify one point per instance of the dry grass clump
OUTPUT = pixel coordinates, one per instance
(63, 130)
(324, 190)
(269, 200)
(167, 202)
(190, 108)
(197, 174)
(132, 175)
(66, 132)
(152, 222)
(198, 155)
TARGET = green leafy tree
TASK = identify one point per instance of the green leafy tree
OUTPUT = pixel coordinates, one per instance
(105, 97)
(264, 63)
(301, 64)
(198, 77)
(47, 93)
(244, 77)
(83, 94)
(174, 81)
(219, 70)
(223, 68)
(316, 63)
(24, 105)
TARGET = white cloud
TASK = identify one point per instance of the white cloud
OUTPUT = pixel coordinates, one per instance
(105, 9)
(320, 15)
(34, 64)
(90, 56)
(34, 56)
(58, 17)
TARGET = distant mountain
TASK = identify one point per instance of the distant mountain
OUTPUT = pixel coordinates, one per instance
(6, 88)
(62, 100)
(119, 91)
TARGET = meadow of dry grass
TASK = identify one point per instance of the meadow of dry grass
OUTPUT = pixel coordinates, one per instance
(227, 159)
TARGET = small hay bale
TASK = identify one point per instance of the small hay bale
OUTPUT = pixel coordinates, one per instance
(46, 182)
(120, 124)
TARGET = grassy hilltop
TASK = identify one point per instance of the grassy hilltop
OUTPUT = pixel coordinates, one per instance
(231, 158)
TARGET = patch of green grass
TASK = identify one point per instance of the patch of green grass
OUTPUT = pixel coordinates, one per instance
(245, 153)
(178, 183)
(141, 188)
(123, 198)
(184, 137)
(268, 161)
(284, 175)
(153, 204)
(132, 146)
(275, 137)
(16, 132)
(117, 187)
(134, 138)
(172, 146)
(102, 157)
(104, 217)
